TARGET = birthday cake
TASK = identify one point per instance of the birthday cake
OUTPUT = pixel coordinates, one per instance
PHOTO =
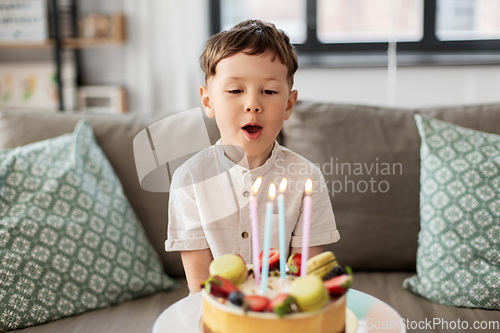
(233, 301)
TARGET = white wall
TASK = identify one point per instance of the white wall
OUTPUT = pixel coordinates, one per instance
(416, 86)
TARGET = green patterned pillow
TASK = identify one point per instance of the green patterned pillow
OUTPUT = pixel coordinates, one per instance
(458, 258)
(69, 239)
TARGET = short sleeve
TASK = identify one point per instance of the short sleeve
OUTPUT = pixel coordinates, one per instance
(323, 227)
(185, 232)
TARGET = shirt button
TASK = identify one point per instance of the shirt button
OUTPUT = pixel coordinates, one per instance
(246, 194)
(244, 234)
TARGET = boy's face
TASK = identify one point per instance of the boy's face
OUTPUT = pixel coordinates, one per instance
(250, 98)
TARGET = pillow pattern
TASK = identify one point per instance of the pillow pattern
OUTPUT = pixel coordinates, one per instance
(458, 258)
(69, 239)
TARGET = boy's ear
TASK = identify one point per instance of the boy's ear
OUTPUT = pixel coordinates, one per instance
(292, 99)
(205, 101)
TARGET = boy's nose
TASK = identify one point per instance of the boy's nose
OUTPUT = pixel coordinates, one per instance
(250, 109)
(252, 103)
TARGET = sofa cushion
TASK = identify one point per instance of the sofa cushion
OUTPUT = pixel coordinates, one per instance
(458, 258)
(115, 135)
(374, 153)
(69, 239)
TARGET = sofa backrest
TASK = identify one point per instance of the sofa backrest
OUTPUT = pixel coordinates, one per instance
(378, 230)
(370, 157)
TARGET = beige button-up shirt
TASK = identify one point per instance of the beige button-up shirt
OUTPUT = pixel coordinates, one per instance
(210, 195)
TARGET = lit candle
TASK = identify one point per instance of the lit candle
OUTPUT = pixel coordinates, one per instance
(306, 226)
(267, 238)
(255, 229)
(281, 212)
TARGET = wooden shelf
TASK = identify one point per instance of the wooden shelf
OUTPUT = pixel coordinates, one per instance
(77, 43)
(18, 45)
(69, 43)
(81, 43)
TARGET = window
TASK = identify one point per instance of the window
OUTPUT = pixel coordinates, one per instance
(319, 27)
(340, 21)
(288, 15)
(468, 20)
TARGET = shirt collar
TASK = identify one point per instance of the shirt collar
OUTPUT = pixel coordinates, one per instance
(242, 167)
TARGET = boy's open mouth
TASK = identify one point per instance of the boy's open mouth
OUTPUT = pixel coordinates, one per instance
(252, 128)
(252, 131)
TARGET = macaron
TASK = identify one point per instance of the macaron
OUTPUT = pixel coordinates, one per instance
(231, 267)
(309, 293)
(321, 264)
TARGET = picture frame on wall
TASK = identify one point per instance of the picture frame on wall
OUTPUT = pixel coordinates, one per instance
(102, 99)
(23, 20)
(33, 85)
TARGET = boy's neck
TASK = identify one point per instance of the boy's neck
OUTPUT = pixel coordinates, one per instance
(257, 161)
(253, 161)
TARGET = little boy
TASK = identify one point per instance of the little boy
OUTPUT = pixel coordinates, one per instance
(249, 77)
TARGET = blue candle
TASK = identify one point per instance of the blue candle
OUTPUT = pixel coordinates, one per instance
(267, 239)
(281, 212)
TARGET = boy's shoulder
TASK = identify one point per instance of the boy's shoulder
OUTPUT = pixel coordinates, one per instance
(196, 163)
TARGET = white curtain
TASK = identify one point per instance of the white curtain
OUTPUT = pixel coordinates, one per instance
(164, 41)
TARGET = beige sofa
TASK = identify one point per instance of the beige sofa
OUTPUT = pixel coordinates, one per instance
(378, 229)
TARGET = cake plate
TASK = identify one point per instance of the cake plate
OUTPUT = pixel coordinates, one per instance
(371, 314)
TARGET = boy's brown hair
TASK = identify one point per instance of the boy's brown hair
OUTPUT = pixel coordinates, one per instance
(253, 37)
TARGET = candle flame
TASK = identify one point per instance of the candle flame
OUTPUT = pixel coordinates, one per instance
(272, 191)
(283, 184)
(256, 185)
(309, 185)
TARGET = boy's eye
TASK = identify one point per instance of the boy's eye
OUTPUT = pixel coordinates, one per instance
(269, 92)
(236, 91)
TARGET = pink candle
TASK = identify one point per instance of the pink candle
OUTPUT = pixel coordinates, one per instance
(255, 229)
(306, 226)
(281, 219)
